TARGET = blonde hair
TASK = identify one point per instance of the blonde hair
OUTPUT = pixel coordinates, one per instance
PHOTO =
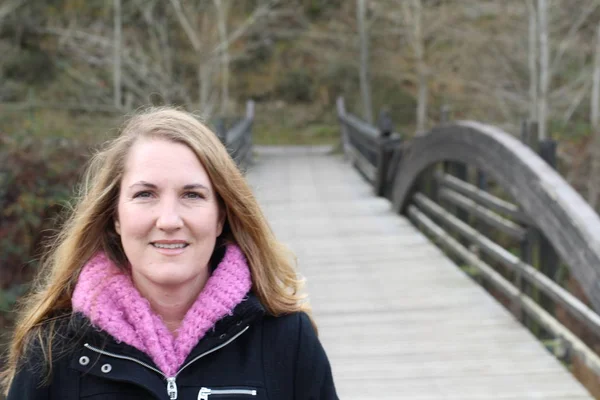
(90, 228)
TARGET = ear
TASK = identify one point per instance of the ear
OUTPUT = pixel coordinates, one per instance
(117, 226)
(221, 221)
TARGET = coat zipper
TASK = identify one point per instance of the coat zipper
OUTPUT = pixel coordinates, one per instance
(205, 392)
(171, 381)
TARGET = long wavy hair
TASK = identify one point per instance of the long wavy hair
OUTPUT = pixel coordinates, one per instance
(90, 228)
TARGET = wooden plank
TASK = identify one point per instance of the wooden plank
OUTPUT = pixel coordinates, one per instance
(491, 218)
(561, 296)
(397, 319)
(481, 196)
(532, 308)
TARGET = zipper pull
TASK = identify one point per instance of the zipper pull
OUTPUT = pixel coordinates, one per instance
(204, 393)
(172, 388)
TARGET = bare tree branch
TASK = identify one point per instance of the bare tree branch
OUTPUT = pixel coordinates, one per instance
(186, 25)
(259, 12)
(571, 35)
(9, 7)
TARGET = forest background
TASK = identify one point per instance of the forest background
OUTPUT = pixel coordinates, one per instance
(70, 70)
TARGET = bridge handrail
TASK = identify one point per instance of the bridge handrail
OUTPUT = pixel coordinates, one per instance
(544, 202)
(238, 139)
(568, 222)
(361, 143)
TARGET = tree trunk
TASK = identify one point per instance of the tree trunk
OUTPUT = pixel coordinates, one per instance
(595, 98)
(544, 68)
(421, 67)
(117, 54)
(365, 88)
(532, 54)
(205, 87)
(222, 28)
(593, 184)
(196, 43)
(593, 181)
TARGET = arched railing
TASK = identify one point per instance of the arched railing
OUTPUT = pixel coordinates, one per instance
(494, 204)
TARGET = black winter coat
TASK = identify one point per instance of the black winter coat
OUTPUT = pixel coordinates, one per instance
(248, 355)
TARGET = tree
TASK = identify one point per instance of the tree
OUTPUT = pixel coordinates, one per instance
(8, 6)
(595, 96)
(532, 53)
(365, 87)
(222, 7)
(410, 34)
(544, 69)
(117, 53)
(593, 184)
(203, 64)
(209, 49)
(413, 16)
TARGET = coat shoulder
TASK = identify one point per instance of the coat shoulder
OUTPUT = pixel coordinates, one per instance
(295, 359)
(288, 323)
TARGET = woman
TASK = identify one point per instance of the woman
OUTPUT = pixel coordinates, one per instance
(166, 283)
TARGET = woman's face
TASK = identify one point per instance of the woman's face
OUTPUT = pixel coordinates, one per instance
(168, 213)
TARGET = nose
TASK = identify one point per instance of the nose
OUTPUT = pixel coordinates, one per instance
(169, 218)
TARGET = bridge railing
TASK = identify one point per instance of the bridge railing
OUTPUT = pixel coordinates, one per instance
(238, 137)
(373, 151)
(501, 211)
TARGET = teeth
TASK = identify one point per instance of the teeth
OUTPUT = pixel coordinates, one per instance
(170, 246)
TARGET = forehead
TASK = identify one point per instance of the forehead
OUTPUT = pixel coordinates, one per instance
(160, 159)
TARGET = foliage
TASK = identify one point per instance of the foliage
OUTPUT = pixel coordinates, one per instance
(37, 178)
(286, 124)
(296, 86)
(391, 95)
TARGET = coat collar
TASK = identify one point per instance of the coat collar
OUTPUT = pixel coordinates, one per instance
(108, 298)
(248, 312)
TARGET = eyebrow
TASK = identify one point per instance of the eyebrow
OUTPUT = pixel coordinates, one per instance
(190, 186)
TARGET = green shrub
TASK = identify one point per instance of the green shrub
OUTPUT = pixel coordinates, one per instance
(389, 93)
(37, 178)
(297, 86)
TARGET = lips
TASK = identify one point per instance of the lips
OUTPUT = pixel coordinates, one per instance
(170, 244)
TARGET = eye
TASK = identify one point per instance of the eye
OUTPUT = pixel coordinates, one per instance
(194, 195)
(145, 194)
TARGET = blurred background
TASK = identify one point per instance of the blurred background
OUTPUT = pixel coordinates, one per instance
(70, 70)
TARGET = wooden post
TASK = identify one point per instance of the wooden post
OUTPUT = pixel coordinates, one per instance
(383, 160)
(221, 129)
(444, 118)
(341, 112)
(250, 117)
(529, 135)
(447, 166)
(536, 249)
(482, 184)
(445, 114)
(548, 258)
(386, 128)
(250, 109)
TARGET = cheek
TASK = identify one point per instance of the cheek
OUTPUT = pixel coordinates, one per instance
(208, 222)
(133, 222)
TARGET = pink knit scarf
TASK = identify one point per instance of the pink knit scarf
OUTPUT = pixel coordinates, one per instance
(109, 299)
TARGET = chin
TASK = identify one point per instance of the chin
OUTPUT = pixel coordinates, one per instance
(170, 278)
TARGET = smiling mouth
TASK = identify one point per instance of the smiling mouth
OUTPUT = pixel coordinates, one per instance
(170, 245)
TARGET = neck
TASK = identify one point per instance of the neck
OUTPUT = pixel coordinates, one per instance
(173, 302)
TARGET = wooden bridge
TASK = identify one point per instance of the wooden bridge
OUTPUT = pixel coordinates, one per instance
(402, 318)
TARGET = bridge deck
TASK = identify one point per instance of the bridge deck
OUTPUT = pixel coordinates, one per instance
(397, 318)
